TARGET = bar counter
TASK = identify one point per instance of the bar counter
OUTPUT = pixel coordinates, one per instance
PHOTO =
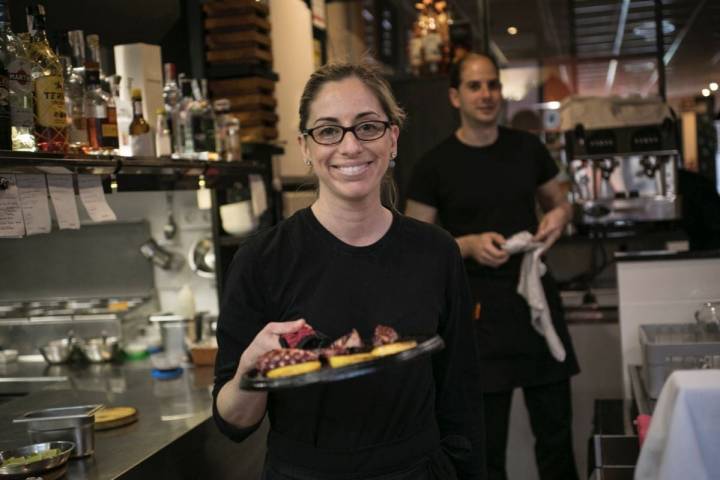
(174, 436)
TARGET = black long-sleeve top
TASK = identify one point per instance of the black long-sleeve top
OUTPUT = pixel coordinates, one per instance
(412, 279)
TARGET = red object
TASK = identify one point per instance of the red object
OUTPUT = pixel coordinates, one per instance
(283, 357)
(384, 335)
(292, 340)
(642, 422)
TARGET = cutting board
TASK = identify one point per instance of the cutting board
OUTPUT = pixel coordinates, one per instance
(113, 417)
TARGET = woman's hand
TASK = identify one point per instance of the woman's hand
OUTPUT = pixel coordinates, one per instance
(267, 339)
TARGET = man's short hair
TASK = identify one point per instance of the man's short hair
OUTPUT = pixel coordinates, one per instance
(456, 68)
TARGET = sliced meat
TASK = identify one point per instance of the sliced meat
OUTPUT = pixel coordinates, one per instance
(282, 357)
(384, 335)
(294, 339)
(351, 340)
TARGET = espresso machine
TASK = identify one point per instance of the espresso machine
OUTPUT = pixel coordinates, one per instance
(623, 174)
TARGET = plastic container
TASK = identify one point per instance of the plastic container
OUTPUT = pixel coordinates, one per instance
(669, 347)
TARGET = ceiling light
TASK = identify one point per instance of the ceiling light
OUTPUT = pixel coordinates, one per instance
(512, 30)
(713, 86)
(705, 92)
(646, 30)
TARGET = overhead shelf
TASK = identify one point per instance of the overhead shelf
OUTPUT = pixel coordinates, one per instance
(144, 173)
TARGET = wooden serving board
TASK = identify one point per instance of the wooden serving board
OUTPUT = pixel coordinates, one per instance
(223, 41)
(237, 22)
(241, 86)
(113, 417)
(252, 102)
(235, 7)
(239, 55)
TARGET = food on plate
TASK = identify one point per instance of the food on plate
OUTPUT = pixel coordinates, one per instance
(337, 361)
(306, 351)
(28, 459)
(306, 338)
(281, 358)
(384, 335)
(393, 348)
(295, 369)
(351, 340)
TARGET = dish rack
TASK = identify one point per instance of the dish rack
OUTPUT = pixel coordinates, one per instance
(669, 347)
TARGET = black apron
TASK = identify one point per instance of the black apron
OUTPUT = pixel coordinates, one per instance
(512, 353)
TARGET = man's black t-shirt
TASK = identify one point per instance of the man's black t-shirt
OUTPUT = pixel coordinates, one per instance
(412, 279)
(485, 189)
(493, 189)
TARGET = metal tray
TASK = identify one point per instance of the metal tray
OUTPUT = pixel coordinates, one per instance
(31, 469)
(254, 381)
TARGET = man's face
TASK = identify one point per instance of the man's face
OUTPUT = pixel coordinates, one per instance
(479, 96)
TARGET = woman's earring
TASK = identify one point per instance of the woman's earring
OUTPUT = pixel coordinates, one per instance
(307, 162)
(392, 159)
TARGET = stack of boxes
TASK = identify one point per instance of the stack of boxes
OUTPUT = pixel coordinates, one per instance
(239, 58)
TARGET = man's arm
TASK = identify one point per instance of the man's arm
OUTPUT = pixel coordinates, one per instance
(483, 247)
(558, 212)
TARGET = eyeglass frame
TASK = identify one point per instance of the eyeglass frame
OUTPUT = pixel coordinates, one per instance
(351, 128)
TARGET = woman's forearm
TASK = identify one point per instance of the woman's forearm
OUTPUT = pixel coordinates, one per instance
(240, 408)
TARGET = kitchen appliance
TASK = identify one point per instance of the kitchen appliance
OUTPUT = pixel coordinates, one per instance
(75, 424)
(622, 156)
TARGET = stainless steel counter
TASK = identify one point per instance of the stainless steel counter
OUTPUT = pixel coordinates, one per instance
(174, 436)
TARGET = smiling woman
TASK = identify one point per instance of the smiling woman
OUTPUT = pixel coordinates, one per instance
(350, 262)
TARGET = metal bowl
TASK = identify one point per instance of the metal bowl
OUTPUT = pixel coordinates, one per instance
(201, 258)
(39, 466)
(101, 349)
(58, 351)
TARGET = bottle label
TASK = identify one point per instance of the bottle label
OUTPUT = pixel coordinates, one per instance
(109, 129)
(142, 145)
(20, 85)
(50, 102)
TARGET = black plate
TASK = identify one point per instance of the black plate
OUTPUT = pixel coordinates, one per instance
(327, 374)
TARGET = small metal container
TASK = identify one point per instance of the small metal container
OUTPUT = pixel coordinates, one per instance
(101, 349)
(30, 469)
(71, 424)
(58, 351)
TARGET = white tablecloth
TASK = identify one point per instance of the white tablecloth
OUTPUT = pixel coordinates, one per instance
(683, 442)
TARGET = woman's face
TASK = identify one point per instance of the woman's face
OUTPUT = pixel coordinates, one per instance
(351, 170)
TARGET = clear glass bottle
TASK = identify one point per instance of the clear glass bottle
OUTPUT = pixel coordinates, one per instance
(48, 83)
(141, 140)
(200, 126)
(19, 66)
(99, 106)
(171, 93)
(182, 148)
(75, 92)
(163, 137)
(121, 89)
(228, 131)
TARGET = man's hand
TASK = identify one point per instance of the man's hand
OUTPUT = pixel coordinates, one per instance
(552, 226)
(484, 248)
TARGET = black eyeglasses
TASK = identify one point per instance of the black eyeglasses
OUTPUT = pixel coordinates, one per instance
(334, 134)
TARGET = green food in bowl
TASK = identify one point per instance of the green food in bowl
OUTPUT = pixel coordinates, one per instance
(27, 460)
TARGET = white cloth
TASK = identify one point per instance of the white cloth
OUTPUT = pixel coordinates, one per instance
(683, 442)
(531, 289)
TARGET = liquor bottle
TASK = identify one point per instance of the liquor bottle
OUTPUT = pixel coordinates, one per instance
(182, 141)
(141, 140)
(163, 137)
(200, 130)
(18, 66)
(171, 93)
(49, 92)
(99, 106)
(121, 89)
(228, 131)
(75, 91)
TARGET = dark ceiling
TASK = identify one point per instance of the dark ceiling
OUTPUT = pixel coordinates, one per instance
(613, 42)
